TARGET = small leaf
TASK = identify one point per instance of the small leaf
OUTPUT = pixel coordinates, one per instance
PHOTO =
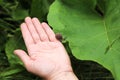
(40, 8)
(15, 42)
(11, 70)
(19, 14)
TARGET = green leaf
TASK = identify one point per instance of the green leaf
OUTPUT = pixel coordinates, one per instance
(91, 36)
(19, 14)
(40, 8)
(15, 42)
(11, 70)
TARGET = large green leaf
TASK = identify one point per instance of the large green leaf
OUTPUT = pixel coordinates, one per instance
(92, 36)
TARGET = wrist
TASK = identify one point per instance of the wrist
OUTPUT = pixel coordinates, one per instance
(62, 73)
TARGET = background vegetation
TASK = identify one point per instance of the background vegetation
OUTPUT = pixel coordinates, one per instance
(59, 14)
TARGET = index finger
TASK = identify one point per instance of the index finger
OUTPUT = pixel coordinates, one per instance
(26, 35)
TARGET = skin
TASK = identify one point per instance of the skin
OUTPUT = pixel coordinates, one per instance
(46, 56)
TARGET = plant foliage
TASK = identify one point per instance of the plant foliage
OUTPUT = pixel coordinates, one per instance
(92, 28)
(12, 14)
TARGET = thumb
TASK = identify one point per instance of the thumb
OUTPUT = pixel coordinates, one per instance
(22, 55)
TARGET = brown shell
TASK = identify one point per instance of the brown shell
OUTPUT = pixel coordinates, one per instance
(59, 36)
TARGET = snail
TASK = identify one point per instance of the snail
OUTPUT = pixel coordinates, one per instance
(59, 37)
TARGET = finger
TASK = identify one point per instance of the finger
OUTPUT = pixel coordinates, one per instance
(26, 35)
(23, 56)
(32, 29)
(40, 30)
(49, 31)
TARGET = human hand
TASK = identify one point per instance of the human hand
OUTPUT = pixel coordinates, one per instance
(46, 56)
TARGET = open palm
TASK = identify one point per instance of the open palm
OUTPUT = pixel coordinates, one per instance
(46, 55)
